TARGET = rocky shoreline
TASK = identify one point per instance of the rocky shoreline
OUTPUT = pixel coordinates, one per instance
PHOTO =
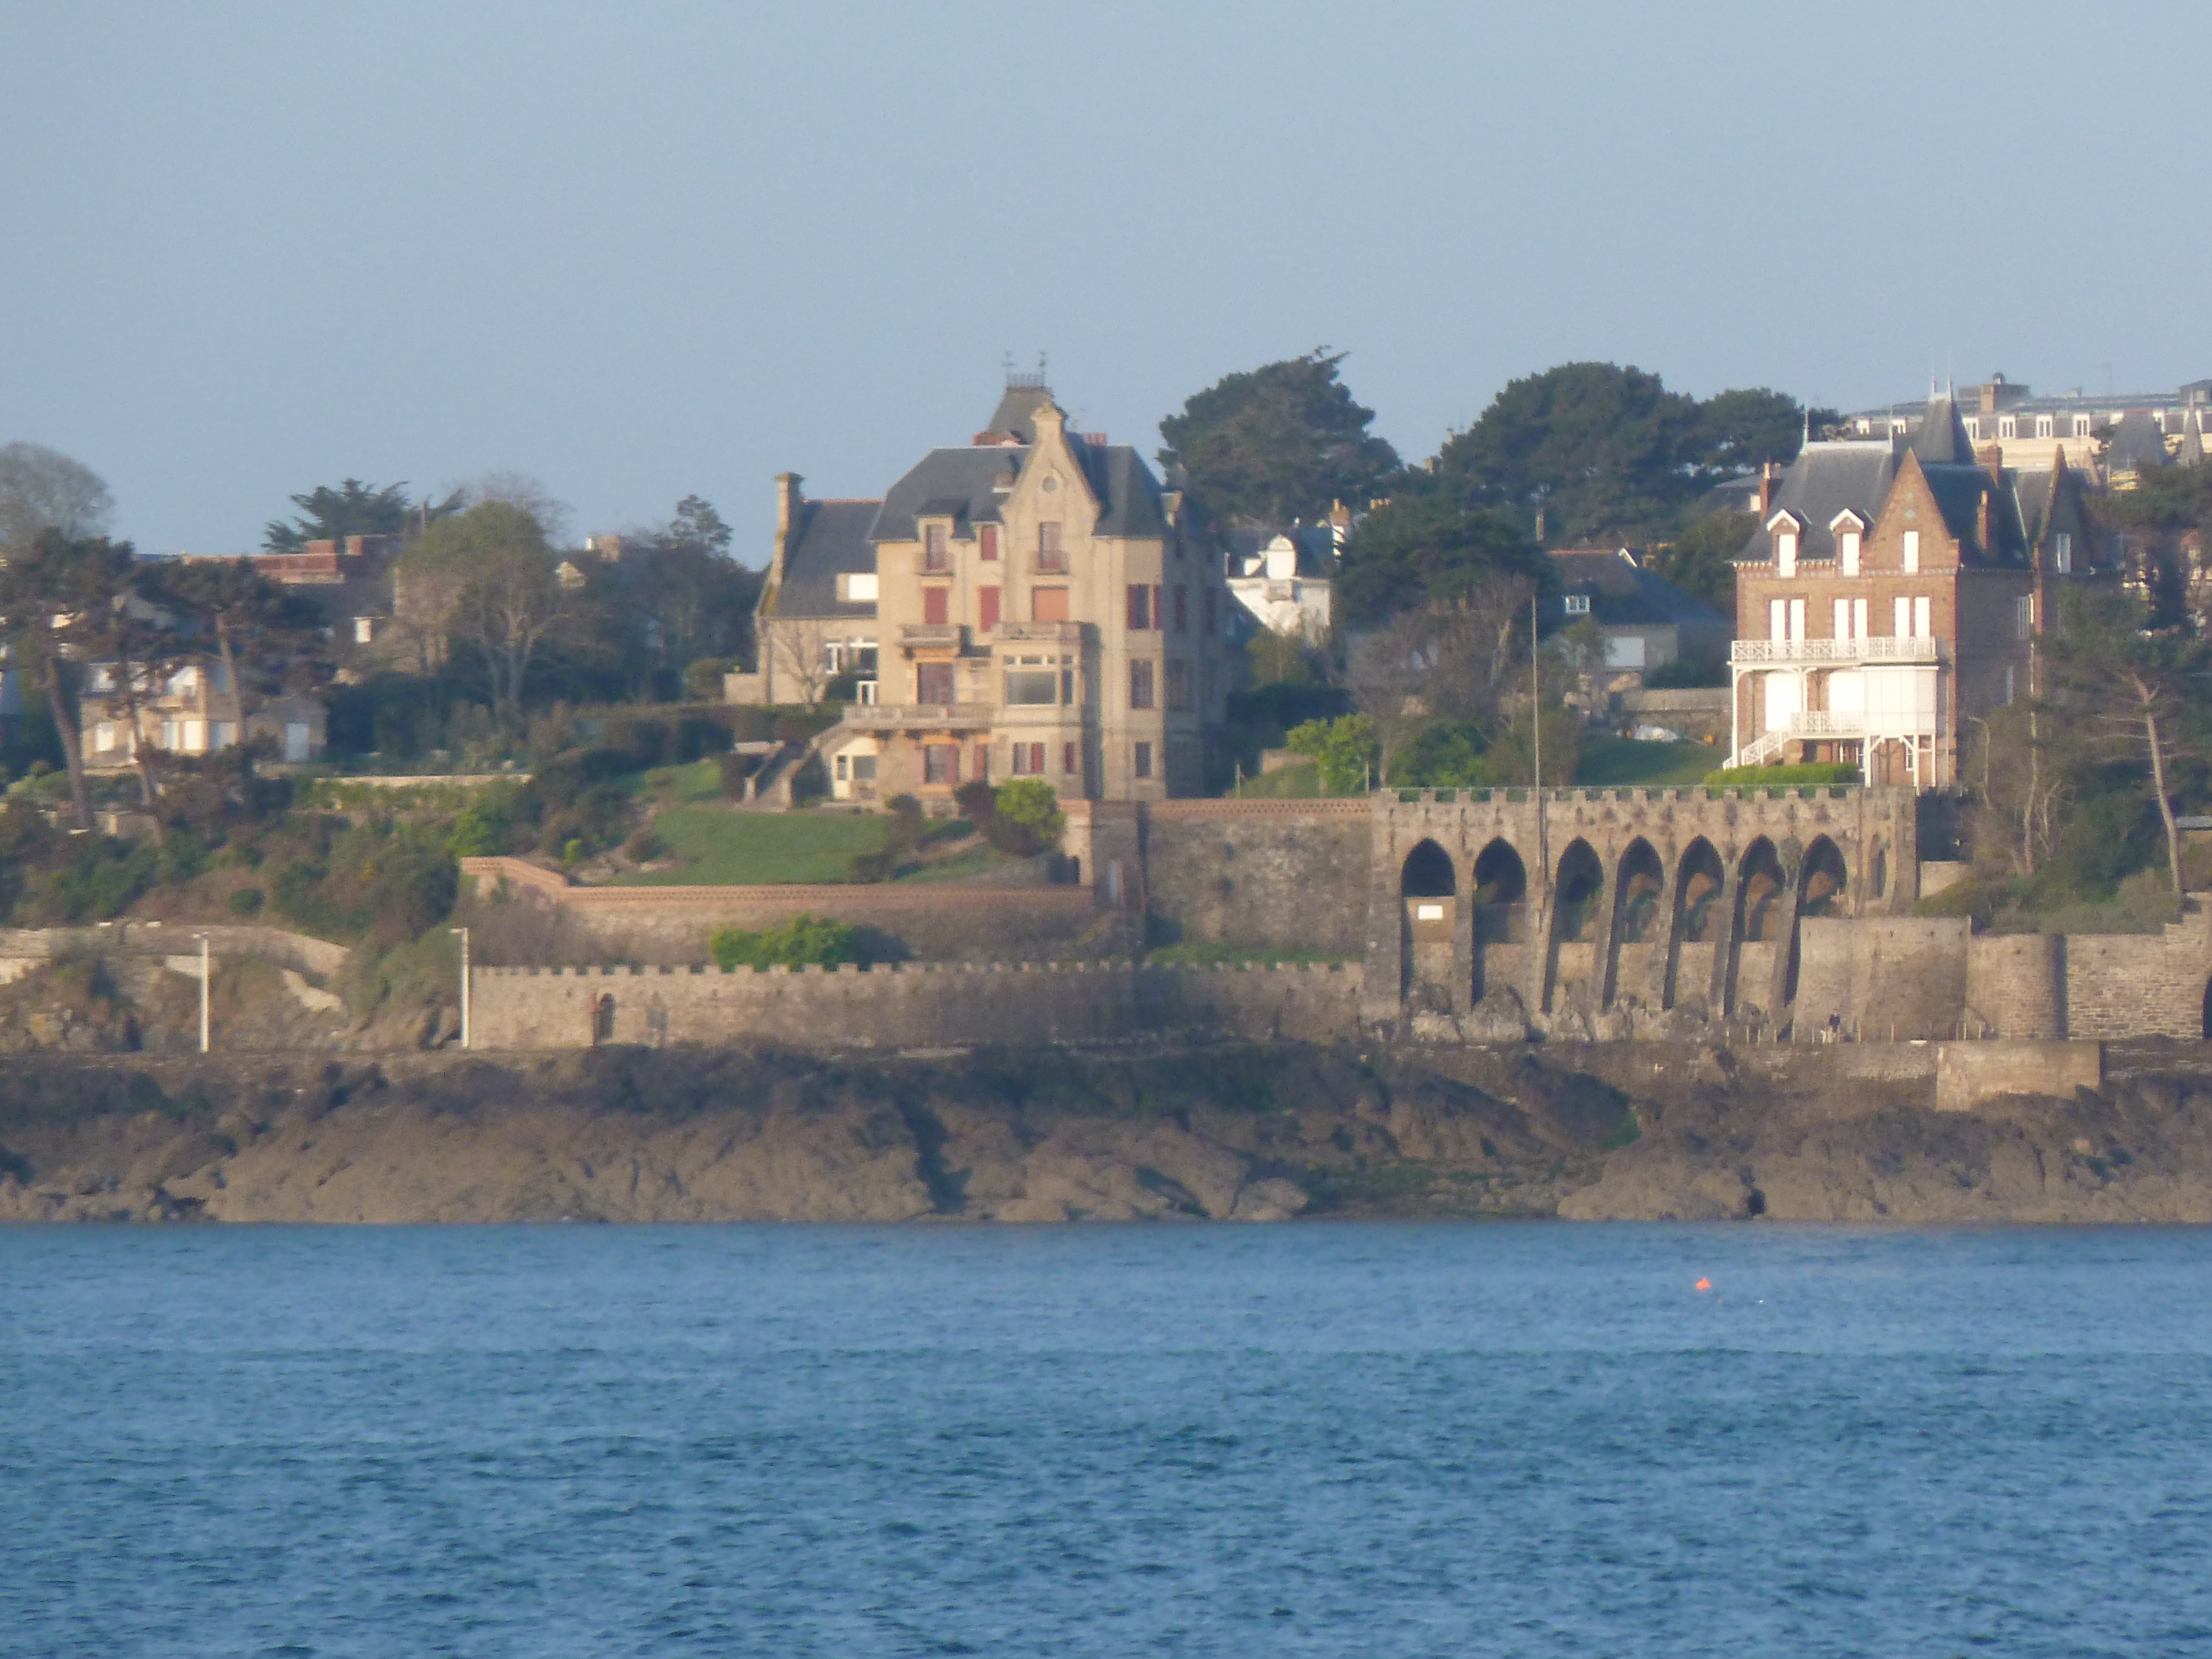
(1222, 1131)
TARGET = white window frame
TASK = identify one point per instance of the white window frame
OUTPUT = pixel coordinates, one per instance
(1847, 545)
(1785, 552)
(1911, 546)
(2061, 549)
(2044, 427)
(1577, 605)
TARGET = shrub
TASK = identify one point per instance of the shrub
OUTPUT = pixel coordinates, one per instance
(804, 941)
(485, 828)
(1028, 812)
(1344, 749)
(247, 901)
(703, 680)
(642, 844)
(1812, 773)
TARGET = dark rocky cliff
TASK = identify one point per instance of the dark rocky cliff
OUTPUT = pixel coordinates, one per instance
(1257, 1132)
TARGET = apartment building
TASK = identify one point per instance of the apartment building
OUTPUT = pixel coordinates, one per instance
(1028, 604)
(2110, 437)
(1892, 594)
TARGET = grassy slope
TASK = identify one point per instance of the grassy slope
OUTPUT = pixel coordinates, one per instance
(1609, 761)
(715, 846)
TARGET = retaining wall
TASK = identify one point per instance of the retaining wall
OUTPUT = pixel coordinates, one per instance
(295, 951)
(909, 1005)
(2123, 985)
(1268, 875)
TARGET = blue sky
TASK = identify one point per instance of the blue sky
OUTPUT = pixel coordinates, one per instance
(637, 251)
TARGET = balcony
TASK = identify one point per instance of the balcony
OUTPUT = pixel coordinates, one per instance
(931, 636)
(1792, 654)
(920, 716)
(1039, 633)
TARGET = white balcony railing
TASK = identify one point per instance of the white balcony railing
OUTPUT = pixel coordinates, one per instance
(1877, 648)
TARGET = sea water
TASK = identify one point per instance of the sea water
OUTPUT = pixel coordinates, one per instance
(1347, 1439)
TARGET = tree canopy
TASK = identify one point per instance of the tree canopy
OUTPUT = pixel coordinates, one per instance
(354, 508)
(1277, 443)
(1420, 551)
(41, 489)
(1600, 452)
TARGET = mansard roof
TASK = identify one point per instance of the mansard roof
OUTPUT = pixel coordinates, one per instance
(962, 485)
(2137, 442)
(1825, 479)
(832, 541)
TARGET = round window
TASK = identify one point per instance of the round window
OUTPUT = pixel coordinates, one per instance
(1050, 483)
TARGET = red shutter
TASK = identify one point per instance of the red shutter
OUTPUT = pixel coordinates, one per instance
(1071, 757)
(1159, 608)
(986, 536)
(986, 607)
(934, 601)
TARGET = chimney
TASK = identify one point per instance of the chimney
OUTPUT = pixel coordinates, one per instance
(1768, 473)
(1982, 520)
(789, 500)
(1990, 457)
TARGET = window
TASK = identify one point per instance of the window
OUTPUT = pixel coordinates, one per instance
(864, 656)
(857, 587)
(2008, 427)
(936, 605)
(2081, 426)
(1029, 759)
(2043, 430)
(1974, 428)
(932, 682)
(1577, 605)
(1179, 686)
(833, 656)
(986, 609)
(1050, 555)
(103, 735)
(1843, 619)
(364, 629)
(1210, 617)
(936, 551)
(1181, 609)
(2007, 685)
(986, 542)
(1031, 688)
(2023, 618)
(844, 768)
(1048, 604)
(1067, 685)
(1912, 549)
(1071, 757)
(1143, 762)
(2061, 549)
(1900, 617)
(1912, 619)
(1847, 545)
(1140, 608)
(940, 762)
(1785, 552)
(1140, 683)
(1778, 619)
(1921, 627)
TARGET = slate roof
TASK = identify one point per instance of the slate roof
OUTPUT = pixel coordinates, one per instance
(1316, 543)
(961, 483)
(2191, 453)
(2136, 442)
(1824, 480)
(1016, 414)
(1624, 595)
(832, 541)
(1959, 491)
(1941, 439)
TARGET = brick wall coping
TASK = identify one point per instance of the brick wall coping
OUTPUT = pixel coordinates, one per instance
(619, 970)
(875, 895)
(1336, 807)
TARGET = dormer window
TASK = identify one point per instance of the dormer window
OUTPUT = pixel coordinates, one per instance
(1974, 427)
(2081, 426)
(937, 549)
(2044, 427)
(1785, 553)
(1849, 531)
(2062, 552)
(1577, 605)
(2008, 426)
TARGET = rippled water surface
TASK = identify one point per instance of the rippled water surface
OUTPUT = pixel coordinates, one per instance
(1371, 1440)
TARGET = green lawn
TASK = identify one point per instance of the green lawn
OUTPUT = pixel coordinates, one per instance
(1607, 760)
(683, 785)
(715, 846)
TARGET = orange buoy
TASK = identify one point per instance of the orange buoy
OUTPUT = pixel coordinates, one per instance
(1705, 1284)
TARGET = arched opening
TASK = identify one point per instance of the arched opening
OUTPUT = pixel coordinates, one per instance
(1501, 908)
(1699, 880)
(1760, 889)
(1582, 879)
(1579, 892)
(1501, 888)
(1878, 873)
(1822, 880)
(1699, 892)
(1428, 873)
(603, 1019)
(1636, 885)
(1428, 886)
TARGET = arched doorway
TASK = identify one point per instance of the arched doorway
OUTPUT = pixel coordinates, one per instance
(1699, 880)
(1501, 916)
(1575, 896)
(1428, 887)
(1638, 883)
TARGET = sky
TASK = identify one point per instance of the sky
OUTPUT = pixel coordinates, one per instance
(640, 251)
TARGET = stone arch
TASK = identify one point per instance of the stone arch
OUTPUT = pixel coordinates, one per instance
(1823, 890)
(1639, 881)
(1762, 903)
(1577, 896)
(1878, 873)
(1428, 889)
(1500, 898)
(1428, 873)
(1696, 924)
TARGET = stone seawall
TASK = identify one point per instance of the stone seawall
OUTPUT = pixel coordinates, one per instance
(1264, 875)
(906, 1006)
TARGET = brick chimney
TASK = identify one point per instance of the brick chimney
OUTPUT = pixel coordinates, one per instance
(1768, 474)
(788, 500)
(1991, 458)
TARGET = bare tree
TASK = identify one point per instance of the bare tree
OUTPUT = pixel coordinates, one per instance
(42, 489)
(487, 577)
(797, 649)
